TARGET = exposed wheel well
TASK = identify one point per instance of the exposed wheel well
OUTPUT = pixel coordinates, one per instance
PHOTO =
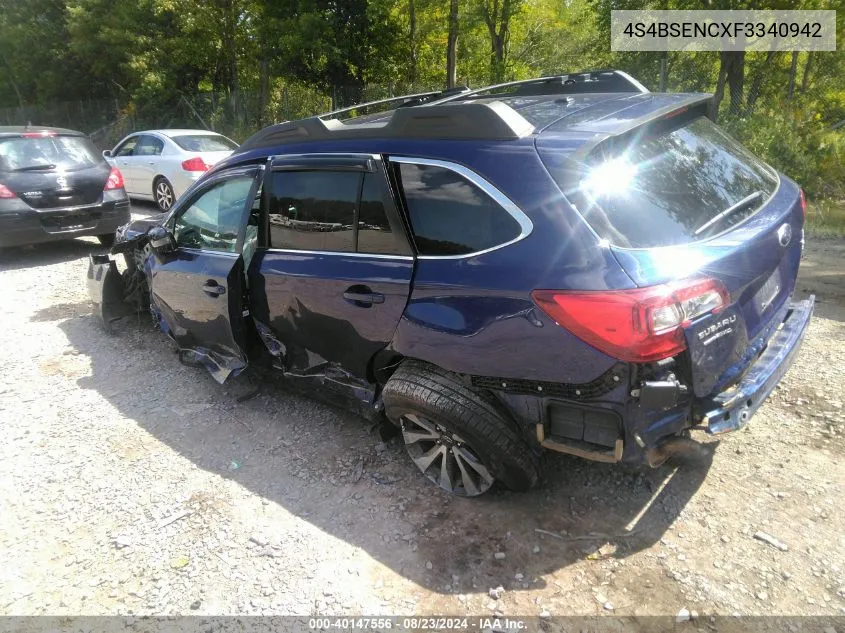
(387, 361)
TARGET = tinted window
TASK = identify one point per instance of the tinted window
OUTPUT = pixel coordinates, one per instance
(374, 232)
(664, 188)
(149, 146)
(128, 147)
(204, 143)
(214, 219)
(450, 215)
(314, 210)
(48, 152)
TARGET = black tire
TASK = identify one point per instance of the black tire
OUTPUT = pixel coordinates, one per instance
(107, 239)
(425, 392)
(163, 193)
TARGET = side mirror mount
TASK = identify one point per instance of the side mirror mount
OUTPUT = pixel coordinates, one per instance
(106, 153)
(161, 240)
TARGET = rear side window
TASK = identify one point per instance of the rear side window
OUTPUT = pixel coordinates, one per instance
(334, 211)
(149, 146)
(682, 184)
(204, 143)
(450, 215)
(47, 152)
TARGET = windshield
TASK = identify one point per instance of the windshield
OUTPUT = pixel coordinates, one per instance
(205, 143)
(680, 185)
(47, 152)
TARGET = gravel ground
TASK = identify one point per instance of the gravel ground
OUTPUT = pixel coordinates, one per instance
(130, 484)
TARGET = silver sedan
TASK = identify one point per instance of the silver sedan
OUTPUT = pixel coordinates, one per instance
(160, 165)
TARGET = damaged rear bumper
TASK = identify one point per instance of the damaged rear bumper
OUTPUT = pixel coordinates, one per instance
(732, 409)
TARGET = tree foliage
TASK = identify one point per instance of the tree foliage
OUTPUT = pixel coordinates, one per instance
(257, 60)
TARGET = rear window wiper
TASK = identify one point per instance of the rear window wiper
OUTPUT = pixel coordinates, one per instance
(35, 167)
(742, 204)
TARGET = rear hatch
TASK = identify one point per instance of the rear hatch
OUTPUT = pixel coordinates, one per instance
(676, 198)
(50, 171)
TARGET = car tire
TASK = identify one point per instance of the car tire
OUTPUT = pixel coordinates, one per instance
(163, 194)
(107, 239)
(455, 436)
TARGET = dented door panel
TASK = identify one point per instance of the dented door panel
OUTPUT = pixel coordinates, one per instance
(197, 298)
(329, 310)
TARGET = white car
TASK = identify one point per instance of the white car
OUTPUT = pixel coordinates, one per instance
(160, 165)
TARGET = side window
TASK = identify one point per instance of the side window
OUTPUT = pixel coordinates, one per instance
(214, 219)
(314, 210)
(450, 215)
(149, 146)
(374, 232)
(127, 148)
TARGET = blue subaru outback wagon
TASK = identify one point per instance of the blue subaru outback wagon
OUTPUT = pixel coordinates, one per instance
(569, 263)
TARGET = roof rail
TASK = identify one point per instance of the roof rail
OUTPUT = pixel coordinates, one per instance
(420, 95)
(494, 121)
(436, 119)
(407, 100)
(613, 80)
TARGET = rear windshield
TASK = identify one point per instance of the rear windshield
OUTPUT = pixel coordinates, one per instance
(205, 143)
(48, 153)
(681, 184)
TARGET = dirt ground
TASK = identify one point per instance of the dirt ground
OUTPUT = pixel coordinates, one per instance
(131, 484)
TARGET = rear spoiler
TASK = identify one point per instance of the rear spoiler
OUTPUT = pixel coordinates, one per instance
(670, 115)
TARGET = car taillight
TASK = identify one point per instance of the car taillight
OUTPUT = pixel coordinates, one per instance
(638, 325)
(5, 192)
(115, 180)
(803, 202)
(42, 134)
(195, 164)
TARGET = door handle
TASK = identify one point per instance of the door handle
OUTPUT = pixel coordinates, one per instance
(214, 289)
(151, 162)
(362, 296)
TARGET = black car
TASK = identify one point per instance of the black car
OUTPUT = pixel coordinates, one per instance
(55, 185)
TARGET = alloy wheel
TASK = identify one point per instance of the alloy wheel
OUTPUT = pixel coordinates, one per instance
(164, 195)
(444, 457)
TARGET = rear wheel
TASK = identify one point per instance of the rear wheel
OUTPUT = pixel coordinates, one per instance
(163, 194)
(455, 437)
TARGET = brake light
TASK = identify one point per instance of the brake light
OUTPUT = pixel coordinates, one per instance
(639, 325)
(6, 193)
(195, 164)
(675, 113)
(41, 134)
(115, 180)
(803, 202)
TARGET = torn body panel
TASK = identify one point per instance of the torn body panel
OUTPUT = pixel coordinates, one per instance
(204, 318)
(107, 290)
(117, 293)
(731, 409)
(196, 296)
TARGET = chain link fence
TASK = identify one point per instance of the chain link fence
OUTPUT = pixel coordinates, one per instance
(237, 115)
(767, 111)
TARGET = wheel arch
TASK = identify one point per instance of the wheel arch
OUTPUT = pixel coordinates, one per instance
(387, 361)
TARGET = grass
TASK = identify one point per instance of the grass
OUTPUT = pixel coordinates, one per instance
(826, 218)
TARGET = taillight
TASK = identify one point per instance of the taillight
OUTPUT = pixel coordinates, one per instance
(195, 164)
(115, 180)
(803, 202)
(5, 192)
(41, 134)
(639, 325)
